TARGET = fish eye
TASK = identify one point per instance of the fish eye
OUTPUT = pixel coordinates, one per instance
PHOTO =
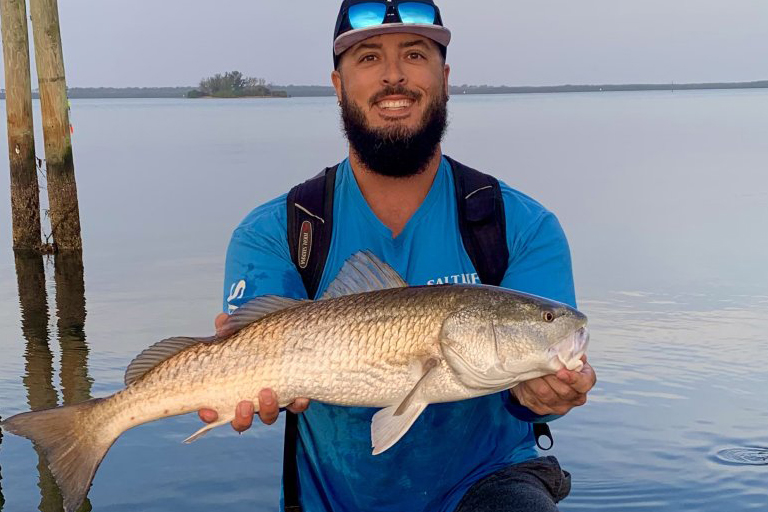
(548, 316)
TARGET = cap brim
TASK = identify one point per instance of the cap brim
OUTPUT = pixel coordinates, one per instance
(347, 40)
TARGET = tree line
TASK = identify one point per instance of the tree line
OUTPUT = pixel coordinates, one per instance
(233, 84)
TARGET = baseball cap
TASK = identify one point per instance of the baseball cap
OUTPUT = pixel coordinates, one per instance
(360, 19)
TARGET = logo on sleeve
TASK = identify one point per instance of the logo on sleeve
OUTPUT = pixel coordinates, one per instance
(236, 291)
(305, 243)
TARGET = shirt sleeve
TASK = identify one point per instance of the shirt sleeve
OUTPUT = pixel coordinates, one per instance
(540, 264)
(258, 260)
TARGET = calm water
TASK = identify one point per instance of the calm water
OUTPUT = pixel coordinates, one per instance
(664, 197)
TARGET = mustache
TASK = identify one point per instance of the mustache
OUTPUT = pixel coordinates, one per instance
(395, 90)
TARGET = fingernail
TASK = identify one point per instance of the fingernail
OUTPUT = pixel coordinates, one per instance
(266, 398)
(243, 409)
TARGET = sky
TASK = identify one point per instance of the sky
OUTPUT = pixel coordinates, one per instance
(496, 42)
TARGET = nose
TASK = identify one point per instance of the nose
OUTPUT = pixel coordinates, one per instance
(393, 73)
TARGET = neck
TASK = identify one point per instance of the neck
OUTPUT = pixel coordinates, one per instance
(394, 200)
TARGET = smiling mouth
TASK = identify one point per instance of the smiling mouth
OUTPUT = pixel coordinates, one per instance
(394, 105)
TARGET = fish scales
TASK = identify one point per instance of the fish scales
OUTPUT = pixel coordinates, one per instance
(293, 351)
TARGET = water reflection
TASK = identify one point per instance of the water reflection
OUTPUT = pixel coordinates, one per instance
(39, 370)
(70, 310)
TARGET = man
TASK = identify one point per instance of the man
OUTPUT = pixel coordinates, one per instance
(394, 196)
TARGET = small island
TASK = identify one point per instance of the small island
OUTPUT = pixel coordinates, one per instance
(233, 84)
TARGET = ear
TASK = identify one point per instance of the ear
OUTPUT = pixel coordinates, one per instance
(446, 75)
(336, 80)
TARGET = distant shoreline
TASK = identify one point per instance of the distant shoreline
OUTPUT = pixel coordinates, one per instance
(298, 91)
(224, 97)
(483, 89)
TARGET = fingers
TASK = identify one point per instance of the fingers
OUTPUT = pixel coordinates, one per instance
(537, 395)
(561, 390)
(220, 319)
(208, 415)
(243, 416)
(268, 411)
(581, 381)
(268, 408)
(548, 400)
(299, 405)
(555, 394)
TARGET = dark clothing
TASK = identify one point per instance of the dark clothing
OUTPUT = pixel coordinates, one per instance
(532, 486)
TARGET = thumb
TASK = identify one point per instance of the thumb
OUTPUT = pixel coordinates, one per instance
(220, 319)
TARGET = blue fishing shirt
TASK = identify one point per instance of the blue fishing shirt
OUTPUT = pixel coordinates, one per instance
(450, 446)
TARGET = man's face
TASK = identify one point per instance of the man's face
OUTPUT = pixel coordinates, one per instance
(392, 89)
(369, 71)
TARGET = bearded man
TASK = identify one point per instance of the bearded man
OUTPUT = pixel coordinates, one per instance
(395, 196)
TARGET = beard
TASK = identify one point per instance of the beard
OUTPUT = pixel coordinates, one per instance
(396, 151)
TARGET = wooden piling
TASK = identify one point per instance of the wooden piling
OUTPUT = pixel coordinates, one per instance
(25, 195)
(62, 190)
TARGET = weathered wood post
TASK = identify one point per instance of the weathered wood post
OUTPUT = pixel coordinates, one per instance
(25, 195)
(62, 190)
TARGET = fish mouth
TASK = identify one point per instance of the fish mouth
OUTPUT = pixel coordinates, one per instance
(567, 353)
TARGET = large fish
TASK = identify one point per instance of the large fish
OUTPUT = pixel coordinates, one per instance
(371, 341)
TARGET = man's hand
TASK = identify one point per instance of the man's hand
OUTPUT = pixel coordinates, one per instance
(268, 411)
(558, 393)
(268, 408)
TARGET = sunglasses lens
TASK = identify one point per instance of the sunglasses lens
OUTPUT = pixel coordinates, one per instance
(367, 14)
(416, 12)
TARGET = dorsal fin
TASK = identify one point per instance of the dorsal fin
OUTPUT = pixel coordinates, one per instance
(253, 310)
(156, 354)
(363, 272)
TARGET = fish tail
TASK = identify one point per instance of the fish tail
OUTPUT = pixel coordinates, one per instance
(73, 443)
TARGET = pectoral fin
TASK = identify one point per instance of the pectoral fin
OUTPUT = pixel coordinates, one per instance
(427, 367)
(391, 423)
(388, 427)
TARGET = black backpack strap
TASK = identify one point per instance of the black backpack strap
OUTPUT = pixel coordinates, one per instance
(483, 227)
(310, 227)
(290, 467)
(482, 222)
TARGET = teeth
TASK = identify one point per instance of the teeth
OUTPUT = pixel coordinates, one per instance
(392, 104)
